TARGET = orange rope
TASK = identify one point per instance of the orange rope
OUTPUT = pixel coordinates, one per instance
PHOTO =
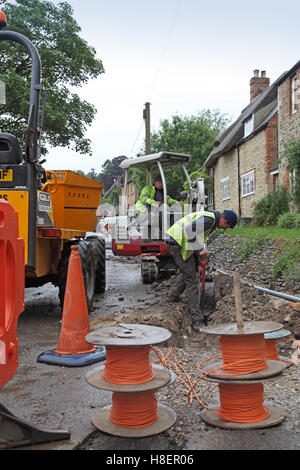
(242, 403)
(128, 365)
(133, 410)
(243, 354)
(165, 362)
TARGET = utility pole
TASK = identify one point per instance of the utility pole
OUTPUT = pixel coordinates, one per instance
(146, 116)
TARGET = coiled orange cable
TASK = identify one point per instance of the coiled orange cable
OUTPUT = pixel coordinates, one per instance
(242, 403)
(271, 351)
(128, 365)
(243, 354)
(133, 410)
(238, 402)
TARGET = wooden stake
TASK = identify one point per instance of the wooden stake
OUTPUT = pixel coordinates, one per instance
(238, 300)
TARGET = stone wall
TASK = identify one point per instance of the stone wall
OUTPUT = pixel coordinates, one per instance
(252, 157)
(227, 165)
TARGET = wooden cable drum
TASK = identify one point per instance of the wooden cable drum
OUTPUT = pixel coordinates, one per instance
(130, 375)
(242, 372)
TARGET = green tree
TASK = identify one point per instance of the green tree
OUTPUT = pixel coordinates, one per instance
(193, 135)
(67, 61)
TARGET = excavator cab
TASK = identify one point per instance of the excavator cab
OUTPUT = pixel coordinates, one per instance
(148, 242)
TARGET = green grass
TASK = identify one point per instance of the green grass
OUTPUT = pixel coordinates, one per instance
(246, 239)
(265, 233)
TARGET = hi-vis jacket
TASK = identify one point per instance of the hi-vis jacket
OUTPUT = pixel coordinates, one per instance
(147, 197)
(190, 232)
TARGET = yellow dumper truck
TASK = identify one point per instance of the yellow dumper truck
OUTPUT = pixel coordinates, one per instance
(56, 209)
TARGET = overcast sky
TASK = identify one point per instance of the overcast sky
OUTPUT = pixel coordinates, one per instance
(180, 55)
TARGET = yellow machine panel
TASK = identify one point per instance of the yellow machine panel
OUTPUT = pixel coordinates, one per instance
(6, 174)
(75, 199)
(19, 201)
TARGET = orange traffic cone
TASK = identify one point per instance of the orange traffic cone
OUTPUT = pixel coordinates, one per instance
(72, 348)
(75, 321)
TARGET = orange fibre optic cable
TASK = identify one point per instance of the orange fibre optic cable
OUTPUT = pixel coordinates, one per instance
(128, 365)
(242, 403)
(243, 354)
(133, 410)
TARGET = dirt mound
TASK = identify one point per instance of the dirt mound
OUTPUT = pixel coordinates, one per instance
(256, 306)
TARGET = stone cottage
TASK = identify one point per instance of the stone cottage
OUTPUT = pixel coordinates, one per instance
(247, 161)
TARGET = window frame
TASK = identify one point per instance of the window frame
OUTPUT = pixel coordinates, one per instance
(247, 175)
(210, 199)
(249, 129)
(275, 178)
(225, 184)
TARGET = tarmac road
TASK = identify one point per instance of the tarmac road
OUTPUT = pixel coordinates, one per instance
(59, 398)
(54, 397)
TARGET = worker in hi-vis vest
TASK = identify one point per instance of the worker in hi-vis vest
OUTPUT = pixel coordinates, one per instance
(185, 239)
(151, 198)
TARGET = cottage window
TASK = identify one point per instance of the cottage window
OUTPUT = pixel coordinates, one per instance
(274, 179)
(210, 201)
(294, 94)
(225, 188)
(249, 126)
(247, 183)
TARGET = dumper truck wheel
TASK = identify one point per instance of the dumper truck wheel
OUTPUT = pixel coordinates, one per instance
(85, 250)
(100, 257)
(100, 269)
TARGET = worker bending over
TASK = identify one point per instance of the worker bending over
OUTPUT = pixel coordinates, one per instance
(185, 239)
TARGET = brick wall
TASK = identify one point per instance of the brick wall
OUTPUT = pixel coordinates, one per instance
(288, 123)
(271, 150)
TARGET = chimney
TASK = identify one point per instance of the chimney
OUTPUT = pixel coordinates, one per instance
(258, 84)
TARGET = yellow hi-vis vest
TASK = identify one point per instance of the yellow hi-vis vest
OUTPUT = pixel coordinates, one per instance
(147, 197)
(177, 232)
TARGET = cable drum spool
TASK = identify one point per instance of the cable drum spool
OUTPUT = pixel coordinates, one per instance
(131, 377)
(271, 351)
(240, 377)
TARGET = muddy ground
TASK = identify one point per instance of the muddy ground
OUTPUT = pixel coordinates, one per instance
(60, 398)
